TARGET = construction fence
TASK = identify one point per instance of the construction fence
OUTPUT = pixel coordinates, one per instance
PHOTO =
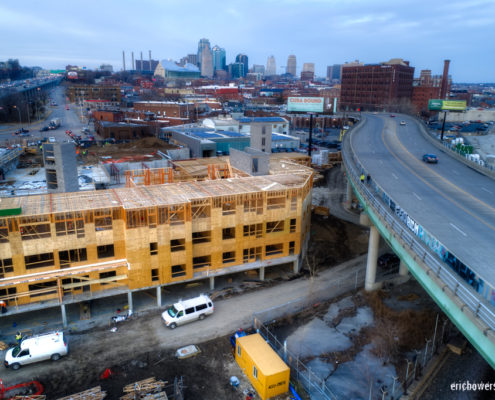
(300, 372)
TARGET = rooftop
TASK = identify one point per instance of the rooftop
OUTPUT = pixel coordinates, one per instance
(285, 174)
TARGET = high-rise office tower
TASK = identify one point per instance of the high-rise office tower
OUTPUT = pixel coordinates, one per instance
(242, 58)
(236, 70)
(309, 67)
(205, 58)
(291, 65)
(271, 66)
(336, 71)
(258, 69)
(218, 58)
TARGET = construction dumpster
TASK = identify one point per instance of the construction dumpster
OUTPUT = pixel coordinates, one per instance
(268, 374)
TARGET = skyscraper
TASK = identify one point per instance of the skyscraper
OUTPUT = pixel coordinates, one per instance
(271, 66)
(242, 58)
(218, 58)
(291, 65)
(205, 58)
(236, 70)
(336, 71)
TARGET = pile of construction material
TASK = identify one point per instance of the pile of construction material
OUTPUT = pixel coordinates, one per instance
(147, 389)
(94, 394)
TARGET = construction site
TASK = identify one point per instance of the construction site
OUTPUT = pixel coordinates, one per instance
(202, 218)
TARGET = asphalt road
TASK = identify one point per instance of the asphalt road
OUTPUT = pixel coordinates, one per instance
(70, 119)
(453, 202)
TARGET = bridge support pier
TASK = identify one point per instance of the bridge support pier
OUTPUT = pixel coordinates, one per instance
(348, 194)
(374, 241)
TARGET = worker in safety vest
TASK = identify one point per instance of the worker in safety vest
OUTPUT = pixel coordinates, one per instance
(362, 178)
(3, 306)
(18, 337)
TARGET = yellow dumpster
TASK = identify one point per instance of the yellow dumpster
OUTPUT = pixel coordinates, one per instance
(268, 374)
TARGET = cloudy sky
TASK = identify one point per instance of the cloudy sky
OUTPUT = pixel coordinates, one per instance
(52, 33)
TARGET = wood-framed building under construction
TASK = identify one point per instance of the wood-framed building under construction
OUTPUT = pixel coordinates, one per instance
(55, 247)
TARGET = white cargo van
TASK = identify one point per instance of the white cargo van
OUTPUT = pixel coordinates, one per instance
(188, 310)
(37, 348)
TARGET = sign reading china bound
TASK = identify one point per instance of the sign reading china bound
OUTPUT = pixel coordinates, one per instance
(305, 104)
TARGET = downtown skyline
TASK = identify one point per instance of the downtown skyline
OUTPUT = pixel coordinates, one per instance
(53, 34)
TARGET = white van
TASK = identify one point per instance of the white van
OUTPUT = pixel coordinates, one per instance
(188, 310)
(37, 348)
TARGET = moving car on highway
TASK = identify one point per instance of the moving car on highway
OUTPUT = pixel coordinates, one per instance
(430, 158)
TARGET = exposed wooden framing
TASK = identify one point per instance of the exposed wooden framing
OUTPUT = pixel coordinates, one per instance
(154, 234)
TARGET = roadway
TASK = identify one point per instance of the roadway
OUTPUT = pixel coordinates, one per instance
(450, 200)
(70, 119)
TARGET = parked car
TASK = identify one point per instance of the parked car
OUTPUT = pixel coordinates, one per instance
(44, 129)
(37, 348)
(430, 158)
(187, 311)
(392, 116)
(402, 122)
(51, 139)
(388, 261)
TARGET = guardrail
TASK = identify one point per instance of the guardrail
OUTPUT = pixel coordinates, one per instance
(483, 168)
(412, 244)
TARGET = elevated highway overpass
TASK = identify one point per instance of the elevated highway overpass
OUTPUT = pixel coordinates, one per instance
(439, 219)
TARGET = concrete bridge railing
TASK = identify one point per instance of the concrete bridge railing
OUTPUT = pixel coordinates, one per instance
(447, 282)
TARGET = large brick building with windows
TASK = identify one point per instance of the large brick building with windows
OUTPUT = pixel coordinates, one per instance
(376, 86)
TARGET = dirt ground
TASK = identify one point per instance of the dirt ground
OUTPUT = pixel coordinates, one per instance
(205, 376)
(142, 147)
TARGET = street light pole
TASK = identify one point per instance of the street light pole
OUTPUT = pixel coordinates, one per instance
(19, 111)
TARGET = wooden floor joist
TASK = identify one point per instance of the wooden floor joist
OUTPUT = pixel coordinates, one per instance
(91, 394)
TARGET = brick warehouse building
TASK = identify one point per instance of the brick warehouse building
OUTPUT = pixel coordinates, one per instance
(175, 113)
(376, 86)
(57, 249)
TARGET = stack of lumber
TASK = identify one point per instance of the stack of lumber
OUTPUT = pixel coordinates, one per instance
(147, 389)
(91, 394)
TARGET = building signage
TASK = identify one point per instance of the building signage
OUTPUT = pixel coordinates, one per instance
(446, 105)
(305, 104)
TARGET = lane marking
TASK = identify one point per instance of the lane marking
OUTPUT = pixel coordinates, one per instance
(486, 190)
(456, 228)
(419, 198)
(434, 188)
(395, 176)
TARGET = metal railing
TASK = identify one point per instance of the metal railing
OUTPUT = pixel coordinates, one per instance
(300, 372)
(412, 243)
(481, 165)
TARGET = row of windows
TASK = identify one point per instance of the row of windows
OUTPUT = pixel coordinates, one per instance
(66, 257)
(255, 230)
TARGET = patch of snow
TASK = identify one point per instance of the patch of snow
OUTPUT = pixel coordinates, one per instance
(352, 325)
(353, 379)
(307, 341)
(320, 367)
(335, 308)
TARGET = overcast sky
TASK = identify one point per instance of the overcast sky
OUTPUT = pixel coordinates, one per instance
(52, 33)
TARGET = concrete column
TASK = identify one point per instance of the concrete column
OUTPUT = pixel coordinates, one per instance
(262, 273)
(212, 282)
(403, 271)
(296, 266)
(129, 300)
(370, 282)
(348, 195)
(64, 315)
(159, 296)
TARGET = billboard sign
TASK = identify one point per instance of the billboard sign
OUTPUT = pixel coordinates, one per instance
(305, 104)
(446, 105)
